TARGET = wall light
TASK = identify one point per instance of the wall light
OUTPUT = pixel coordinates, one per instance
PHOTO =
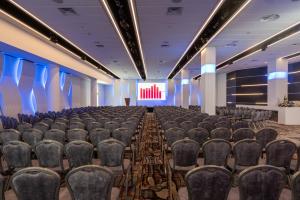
(255, 85)
(62, 80)
(248, 94)
(208, 69)
(277, 75)
(184, 81)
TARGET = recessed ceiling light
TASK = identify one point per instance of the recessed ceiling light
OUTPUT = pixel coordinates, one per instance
(115, 61)
(176, 1)
(174, 10)
(269, 18)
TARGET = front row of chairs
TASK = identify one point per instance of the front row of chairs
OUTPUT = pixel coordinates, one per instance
(259, 182)
(83, 183)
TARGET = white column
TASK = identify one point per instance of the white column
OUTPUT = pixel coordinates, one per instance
(53, 90)
(94, 92)
(177, 95)
(208, 80)
(85, 92)
(221, 89)
(185, 88)
(171, 92)
(195, 92)
(277, 81)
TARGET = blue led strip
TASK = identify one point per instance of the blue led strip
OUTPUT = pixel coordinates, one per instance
(208, 68)
(277, 75)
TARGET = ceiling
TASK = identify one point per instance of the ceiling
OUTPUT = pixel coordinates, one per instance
(165, 37)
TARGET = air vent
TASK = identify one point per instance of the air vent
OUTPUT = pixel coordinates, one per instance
(232, 44)
(174, 10)
(269, 18)
(176, 1)
(100, 45)
(68, 11)
(164, 45)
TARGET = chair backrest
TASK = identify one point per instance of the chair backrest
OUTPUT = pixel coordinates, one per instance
(111, 125)
(77, 134)
(32, 136)
(23, 126)
(90, 182)
(199, 134)
(50, 153)
(280, 152)
(76, 124)
(207, 125)
(131, 125)
(208, 182)
(295, 185)
(92, 125)
(240, 124)
(216, 152)
(223, 124)
(8, 135)
(119, 119)
(261, 182)
(59, 125)
(221, 133)
(174, 134)
(266, 135)
(185, 152)
(36, 183)
(79, 153)
(123, 134)
(246, 152)
(187, 125)
(41, 126)
(169, 124)
(99, 134)
(242, 133)
(17, 154)
(111, 152)
(56, 135)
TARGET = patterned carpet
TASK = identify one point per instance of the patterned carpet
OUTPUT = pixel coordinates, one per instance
(151, 175)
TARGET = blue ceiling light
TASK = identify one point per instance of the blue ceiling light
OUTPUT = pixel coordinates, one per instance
(277, 75)
(208, 68)
(44, 76)
(33, 104)
(62, 80)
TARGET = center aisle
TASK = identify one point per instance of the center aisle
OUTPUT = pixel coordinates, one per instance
(150, 177)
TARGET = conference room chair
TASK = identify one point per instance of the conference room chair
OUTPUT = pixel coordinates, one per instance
(240, 124)
(111, 155)
(79, 153)
(187, 125)
(206, 182)
(172, 135)
(184, 155)
(47, 121)
(179, 119)
(242, 133)
(294, 193)
(99, 134)
(221, 133)
(266, 135)
(124, 135)
(223, 124)
(76, 124)
(279, 153)
(32, 136)
(91, 182)
(91, 125)
(23, 126)
(50, 155)
(34, 183)
(77, 134)
(246, 153)
(17, 155)
(261, 182)
(8, 135)
(59, 125)
(42, 126)
(56, 135)
(111, 125)
(216, 152)
(199, 135)
(207, 125)
(169, 124)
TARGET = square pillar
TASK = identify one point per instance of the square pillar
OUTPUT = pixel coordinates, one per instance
(53, 90)
(208, 80)
(185, 88)
(94, 92)
(277, 81)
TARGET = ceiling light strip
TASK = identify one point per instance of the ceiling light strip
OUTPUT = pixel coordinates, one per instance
(199, 34)
(137, 32)
(294, 55)
(30, 21)
(282, 35)
(112, 19)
